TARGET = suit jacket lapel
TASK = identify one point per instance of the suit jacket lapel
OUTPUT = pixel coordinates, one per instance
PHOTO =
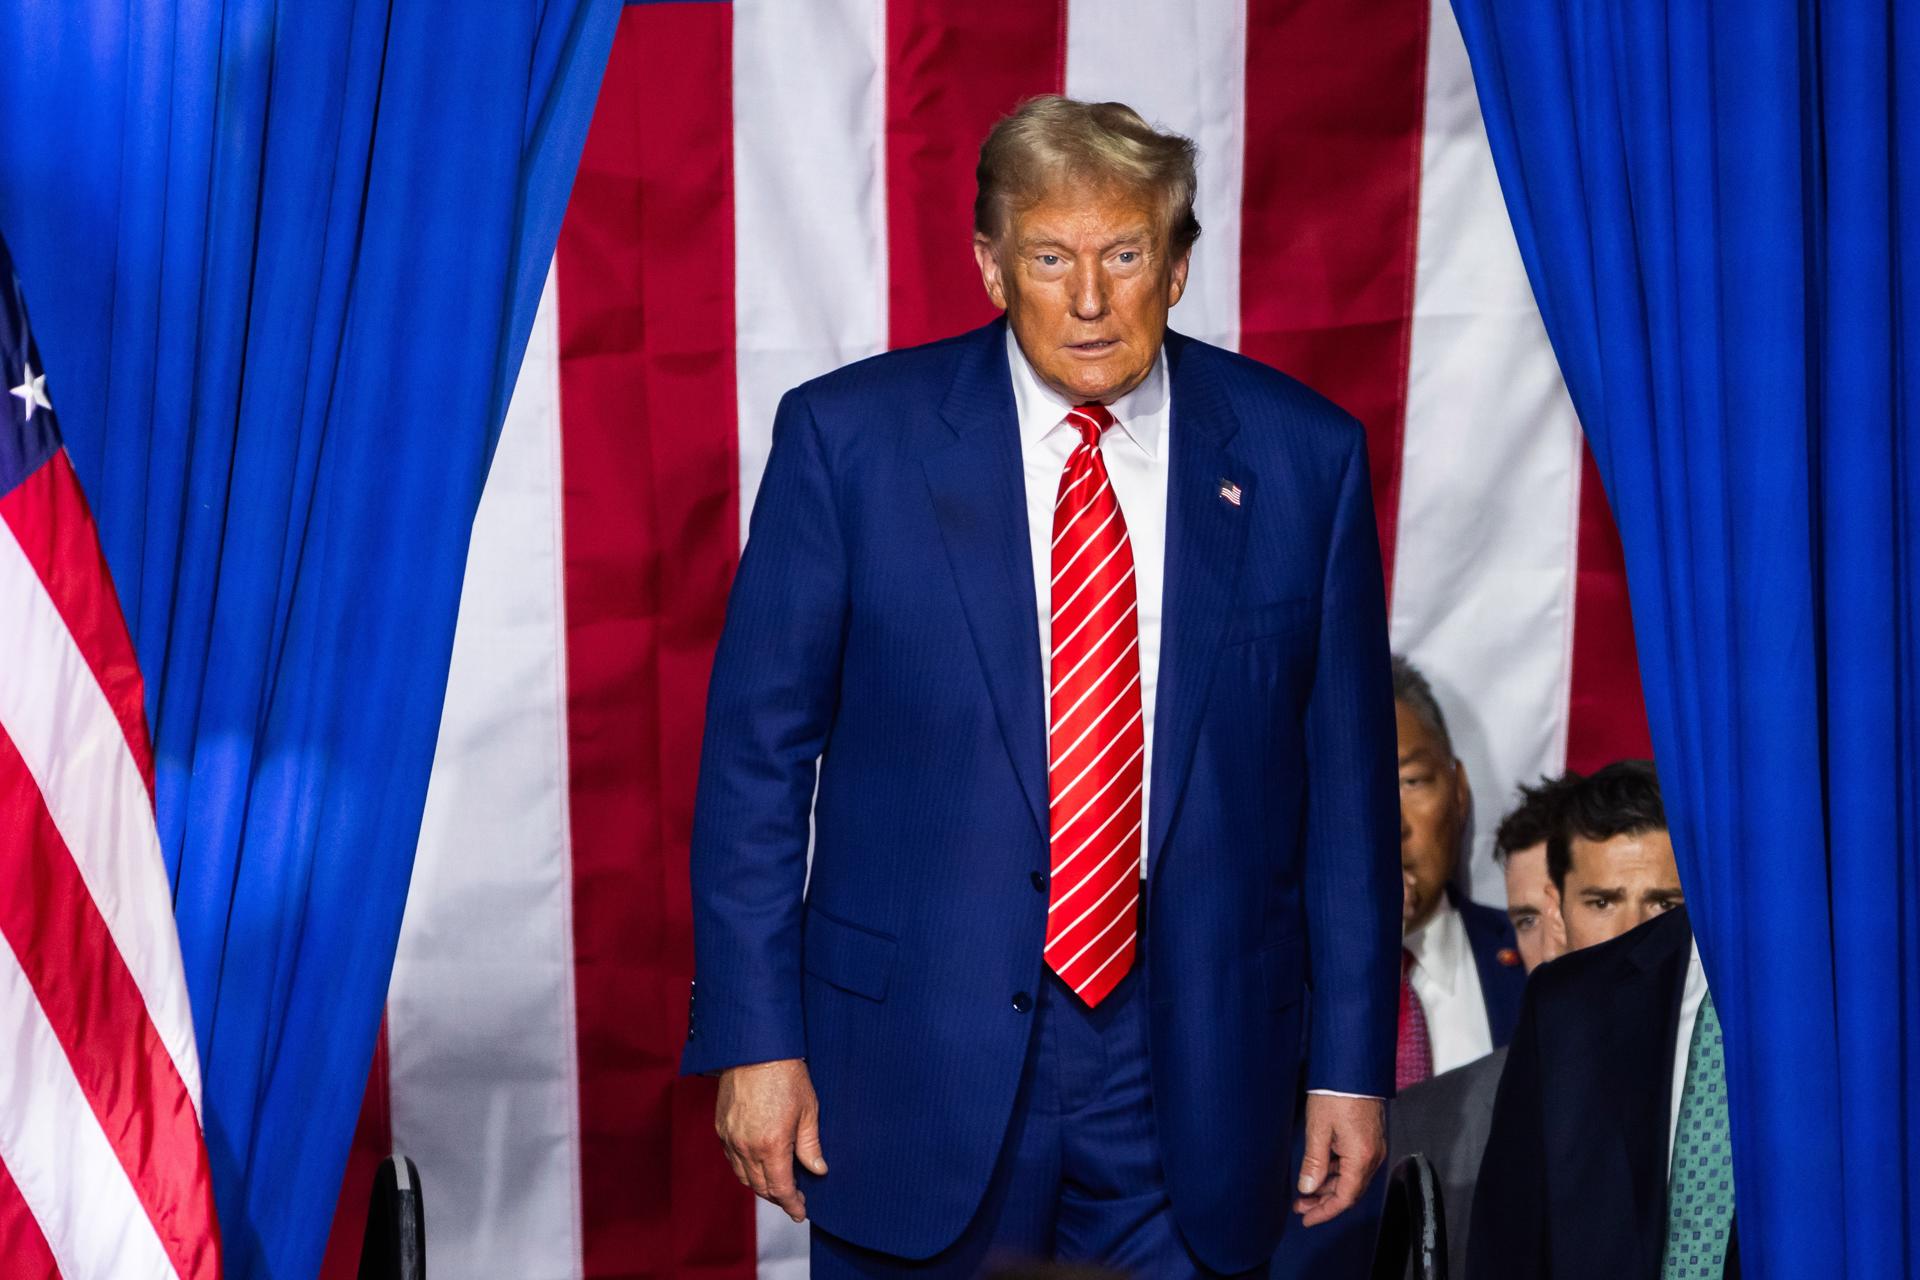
(979, 500)
(1206, 535)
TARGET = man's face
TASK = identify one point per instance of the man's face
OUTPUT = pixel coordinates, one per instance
(1433, 813)
(1533, 904)
(1616, 885)
(1086, 278)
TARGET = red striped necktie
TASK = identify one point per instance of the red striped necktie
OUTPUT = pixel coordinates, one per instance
(1097, 740)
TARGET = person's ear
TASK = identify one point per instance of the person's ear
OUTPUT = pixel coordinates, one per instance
(1178, 284)
(983, 253)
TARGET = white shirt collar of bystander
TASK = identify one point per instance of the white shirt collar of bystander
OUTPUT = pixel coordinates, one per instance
(1440, 946)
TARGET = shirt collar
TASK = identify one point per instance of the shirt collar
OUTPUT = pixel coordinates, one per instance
(1439, 945)
(1141, 413)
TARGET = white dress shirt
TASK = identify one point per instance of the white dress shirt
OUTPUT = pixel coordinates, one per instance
(1447, 981)
(1691, 996)
(1135, 449)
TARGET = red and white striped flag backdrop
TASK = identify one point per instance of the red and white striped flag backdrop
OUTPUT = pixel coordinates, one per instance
(103, 1165)
(773, 189)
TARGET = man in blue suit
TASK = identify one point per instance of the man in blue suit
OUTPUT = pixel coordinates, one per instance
(1068, 636)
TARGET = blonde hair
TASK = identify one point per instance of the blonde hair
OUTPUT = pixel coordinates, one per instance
(1050, 139)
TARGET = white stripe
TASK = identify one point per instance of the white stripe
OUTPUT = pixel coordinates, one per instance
(809, 195)
(1090, 537)
(784, 1244)
(1484, 564)
(1182, 66)
(810, 255)
(1101, 967)
(1091, 576)
(1111, 890)
(51, 1143)
(484, 1083)
(1081, 550)
(1060, 682)
(66, 732)
(1117, 738)
(1084, 477)
(1093, 724)
(1087, 879)
(1095, 833)
(1119, 773)
(1091, 501)
(1095, 613)
(1094, 687)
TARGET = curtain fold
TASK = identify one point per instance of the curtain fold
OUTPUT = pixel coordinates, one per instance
(284, 260)
(1717, 207)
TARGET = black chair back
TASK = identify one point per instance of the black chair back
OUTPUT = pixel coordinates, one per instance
(395, 1246)
(1412, 1244)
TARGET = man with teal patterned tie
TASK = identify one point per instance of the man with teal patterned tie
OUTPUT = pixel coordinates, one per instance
(1609, 1156)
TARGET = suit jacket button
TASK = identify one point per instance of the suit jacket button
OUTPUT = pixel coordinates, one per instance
(1039, 879)
(1022, 1002)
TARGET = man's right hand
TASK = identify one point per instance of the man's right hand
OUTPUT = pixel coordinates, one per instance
(768, 1117)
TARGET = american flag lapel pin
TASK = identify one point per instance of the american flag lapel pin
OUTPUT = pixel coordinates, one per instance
(1230, 491)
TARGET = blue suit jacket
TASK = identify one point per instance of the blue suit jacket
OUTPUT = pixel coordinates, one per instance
(882, 624)
(1490, 932)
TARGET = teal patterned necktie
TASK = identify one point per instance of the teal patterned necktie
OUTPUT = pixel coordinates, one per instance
(1700, 1193)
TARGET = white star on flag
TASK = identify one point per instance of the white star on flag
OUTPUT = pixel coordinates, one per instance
(33, 392)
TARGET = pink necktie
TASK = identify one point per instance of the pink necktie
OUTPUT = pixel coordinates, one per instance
(1096, 741)
(1413, 1052)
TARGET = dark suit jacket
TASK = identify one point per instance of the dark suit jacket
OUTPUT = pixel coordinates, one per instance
(1502, 982)
(1446, 1119)
(1574, 1182)
(882, 624)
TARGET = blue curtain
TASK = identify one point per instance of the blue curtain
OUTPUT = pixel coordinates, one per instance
(283, 260)
(1719, 207)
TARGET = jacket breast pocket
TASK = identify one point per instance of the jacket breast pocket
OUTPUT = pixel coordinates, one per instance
(847, 956)
(1276, 617)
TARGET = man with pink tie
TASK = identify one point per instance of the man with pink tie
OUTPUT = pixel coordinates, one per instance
(1067, 637)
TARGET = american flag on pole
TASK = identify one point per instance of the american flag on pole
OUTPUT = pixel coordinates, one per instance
(103, 1169)
(771, 189)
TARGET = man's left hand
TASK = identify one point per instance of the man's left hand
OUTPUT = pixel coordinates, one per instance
(1346, 1141)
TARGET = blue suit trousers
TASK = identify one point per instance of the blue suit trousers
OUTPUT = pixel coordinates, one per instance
(1079, 1178)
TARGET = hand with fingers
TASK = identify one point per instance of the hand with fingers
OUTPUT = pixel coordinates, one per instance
(767, 1118)
(1346, 1141)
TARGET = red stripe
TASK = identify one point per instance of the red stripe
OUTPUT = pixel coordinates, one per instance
(48, 515)
(372, 1143)
(650, 475)
(96, 1010)
(1335, 98)
(22, 1245)
(1606, 715)
(952, 70)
